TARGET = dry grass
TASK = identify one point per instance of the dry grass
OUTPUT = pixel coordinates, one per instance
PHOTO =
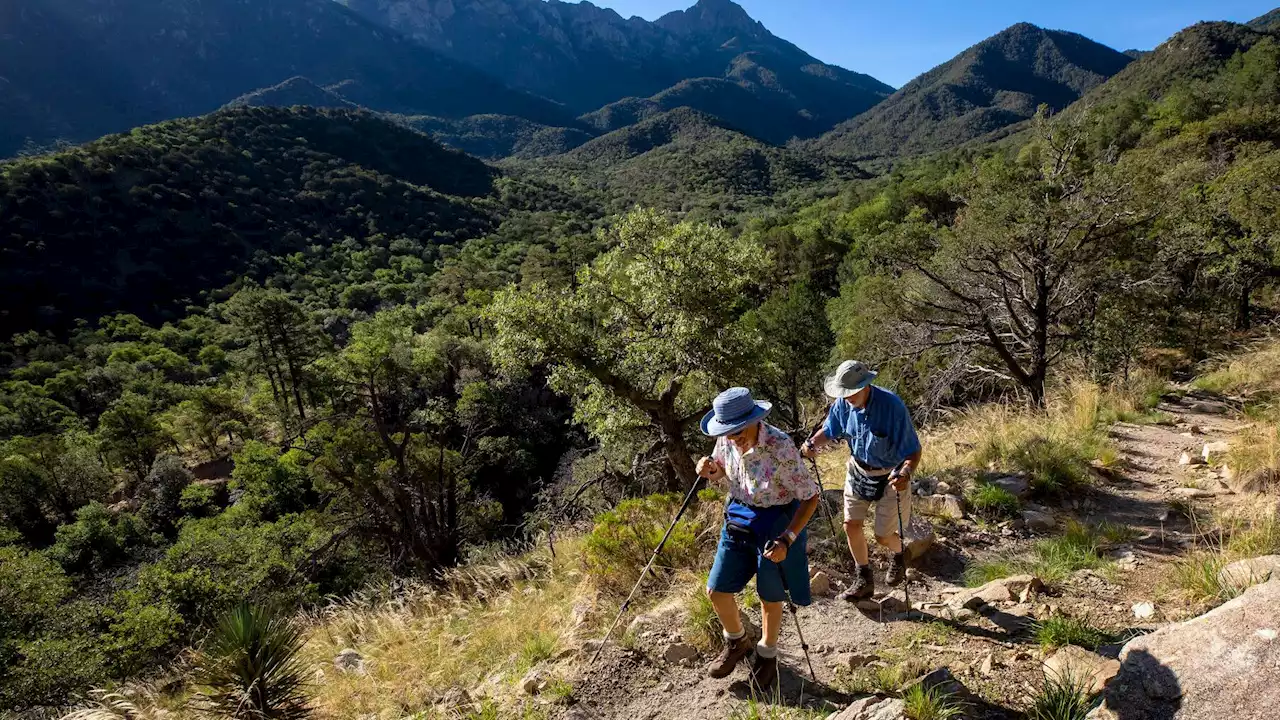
(1252, 373)
(1247, 532)
(420, 642)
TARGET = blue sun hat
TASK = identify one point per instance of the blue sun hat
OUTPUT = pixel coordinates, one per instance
(733, 410)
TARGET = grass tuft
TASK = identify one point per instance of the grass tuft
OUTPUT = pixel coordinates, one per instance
(1060, 631)
(1051, 559)
(991, 502)
(929, 704)
(1062, 696)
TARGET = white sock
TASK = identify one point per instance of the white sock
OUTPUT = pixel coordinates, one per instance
(766, 651)
(735, 636)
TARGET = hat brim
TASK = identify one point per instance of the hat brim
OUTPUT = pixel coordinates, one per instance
(714, 428)
(834, 389)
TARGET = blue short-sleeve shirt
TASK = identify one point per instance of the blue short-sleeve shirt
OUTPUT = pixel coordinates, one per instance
(881, 435)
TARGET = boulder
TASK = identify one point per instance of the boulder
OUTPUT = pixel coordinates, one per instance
(997, 592)
(1144, 610)
(920, 537)
(1247, 573)
(1081, 666)
(874, 707)
(1037, 521)
(349, 661)
(679, 652)
(941, 505)
(820, 584)
(1223, 664)
(1015, 484)
(1214, 451)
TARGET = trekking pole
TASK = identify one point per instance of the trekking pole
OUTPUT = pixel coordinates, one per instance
(902, 543)
(822, 498)
(688, 500)
(786, 590)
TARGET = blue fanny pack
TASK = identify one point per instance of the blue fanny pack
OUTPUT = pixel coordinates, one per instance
(758, 524)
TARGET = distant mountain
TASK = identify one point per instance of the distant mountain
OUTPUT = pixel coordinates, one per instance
(1198, 52)
(713, 57)
(680, 158)
(992, 85)
(188, 206)
(76, 69)
(294, 91)
(1270, 21)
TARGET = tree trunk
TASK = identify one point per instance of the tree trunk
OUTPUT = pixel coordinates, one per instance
(685, 473)
(1244, 320)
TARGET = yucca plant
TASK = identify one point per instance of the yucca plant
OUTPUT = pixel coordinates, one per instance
(250, 668)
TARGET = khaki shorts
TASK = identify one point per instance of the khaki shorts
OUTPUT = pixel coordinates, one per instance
(855, 508)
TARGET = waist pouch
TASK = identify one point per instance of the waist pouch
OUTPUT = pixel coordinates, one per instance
(866, 487)
(758, 525)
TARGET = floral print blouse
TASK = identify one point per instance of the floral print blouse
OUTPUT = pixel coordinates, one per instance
(771, 473)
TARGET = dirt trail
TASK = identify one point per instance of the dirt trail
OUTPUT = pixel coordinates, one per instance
(639, 684)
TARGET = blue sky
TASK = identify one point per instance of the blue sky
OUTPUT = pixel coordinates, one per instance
(895, 40)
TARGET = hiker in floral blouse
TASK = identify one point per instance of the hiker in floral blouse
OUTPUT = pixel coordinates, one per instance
(771, 498)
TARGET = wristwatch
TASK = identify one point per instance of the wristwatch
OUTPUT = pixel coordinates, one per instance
(790, 537)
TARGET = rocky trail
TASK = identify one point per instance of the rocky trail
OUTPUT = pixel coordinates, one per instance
(979, 642)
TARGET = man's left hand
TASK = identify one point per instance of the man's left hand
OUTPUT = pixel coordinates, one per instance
(776, 552)
(901, 482)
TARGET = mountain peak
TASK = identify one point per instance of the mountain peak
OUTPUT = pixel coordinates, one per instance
(710, 16)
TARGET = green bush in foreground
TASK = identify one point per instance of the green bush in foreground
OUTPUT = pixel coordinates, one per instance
(624, 538)
(928, 704)
(1062, 697)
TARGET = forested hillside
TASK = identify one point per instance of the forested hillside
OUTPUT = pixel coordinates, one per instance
(297, 356)
(992, 85)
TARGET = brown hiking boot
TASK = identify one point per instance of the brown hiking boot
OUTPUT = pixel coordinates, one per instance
(764, 672)
(733, 653)
(897, 570)
(863, 586)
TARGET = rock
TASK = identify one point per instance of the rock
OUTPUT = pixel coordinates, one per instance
(1036, 521)
(1082, 666)
(667, 686)
(1016, 484)
(1223, 664)
(920, 537)
(1124, 558)
(679, 652)
(533, 682)
(1144, 610)
(944, 488)
(888, 605)
(940, 680)
(1187, 459)
(820, 583)
(349, 661)
(997, 592)
(874, 707)
(941, 506)
(1242, 574)
(852, 661)
(1192, 493)
(1214, 451)
(988, 665)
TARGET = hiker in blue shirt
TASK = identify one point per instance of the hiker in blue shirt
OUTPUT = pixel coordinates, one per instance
(883, 449)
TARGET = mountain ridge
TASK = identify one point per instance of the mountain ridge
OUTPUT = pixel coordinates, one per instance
(989, 86)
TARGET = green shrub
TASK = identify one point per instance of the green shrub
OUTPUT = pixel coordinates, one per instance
(250, 667)
(198, 500)
(1053, 466)
(273, 484)
(97, 540)
(624, 538)
(991, 502)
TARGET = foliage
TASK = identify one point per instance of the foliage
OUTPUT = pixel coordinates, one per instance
(992, 502)
(1062, 696)
(623, 540)
(922, 703)
(1059, 630)
(251, 667)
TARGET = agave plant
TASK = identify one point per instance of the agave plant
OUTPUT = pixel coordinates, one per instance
(250, 668)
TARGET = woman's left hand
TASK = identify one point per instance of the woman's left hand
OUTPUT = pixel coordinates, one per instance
(777, 552)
